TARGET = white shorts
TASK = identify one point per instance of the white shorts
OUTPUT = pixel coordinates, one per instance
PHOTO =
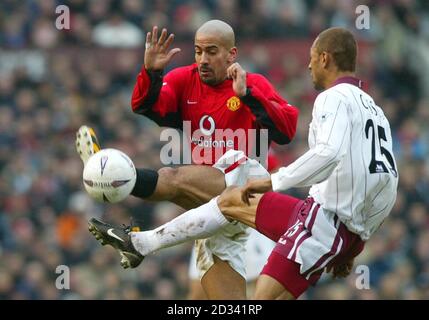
(257, 250)
(229, 244)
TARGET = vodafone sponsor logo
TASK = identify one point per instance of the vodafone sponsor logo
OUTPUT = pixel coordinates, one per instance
(211, 128)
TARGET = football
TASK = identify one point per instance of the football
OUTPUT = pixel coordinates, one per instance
(109, 176)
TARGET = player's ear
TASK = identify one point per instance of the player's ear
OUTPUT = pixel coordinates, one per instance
(324, 59)
(232, 54)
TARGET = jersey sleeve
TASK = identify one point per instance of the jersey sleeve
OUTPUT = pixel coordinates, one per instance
(332, 139)
(158, 97)
(271, 110)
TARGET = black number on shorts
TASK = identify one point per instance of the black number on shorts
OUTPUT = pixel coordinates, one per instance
(378, 166)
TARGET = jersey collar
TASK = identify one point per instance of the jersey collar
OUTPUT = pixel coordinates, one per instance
(350, 80)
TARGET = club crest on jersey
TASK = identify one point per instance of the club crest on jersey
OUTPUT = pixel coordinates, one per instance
(233, 103)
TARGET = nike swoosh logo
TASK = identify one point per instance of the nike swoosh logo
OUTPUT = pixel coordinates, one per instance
(110, 233)
(192, 102)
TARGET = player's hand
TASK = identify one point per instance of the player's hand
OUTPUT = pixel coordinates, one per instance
(157, 55)
(341, 270)
(238, 76)
(255, 186)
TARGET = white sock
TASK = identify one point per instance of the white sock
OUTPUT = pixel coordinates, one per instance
(198, 223)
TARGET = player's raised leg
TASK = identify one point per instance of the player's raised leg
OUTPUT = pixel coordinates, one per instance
(204, 221)
(201, 222)
(198, 223)
(182, 185)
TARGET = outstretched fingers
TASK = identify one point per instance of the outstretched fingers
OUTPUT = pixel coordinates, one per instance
(148, 42)
(164, 41)
(162, 37)
(154, 35)
(168, 42)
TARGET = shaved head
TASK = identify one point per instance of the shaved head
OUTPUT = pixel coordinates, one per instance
(219, 30)
(215, 51)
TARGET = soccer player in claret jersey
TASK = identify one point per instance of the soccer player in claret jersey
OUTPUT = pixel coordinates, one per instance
(351, 170)
(215, 93)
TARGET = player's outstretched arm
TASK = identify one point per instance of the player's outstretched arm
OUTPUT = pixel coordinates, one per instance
(154, 95)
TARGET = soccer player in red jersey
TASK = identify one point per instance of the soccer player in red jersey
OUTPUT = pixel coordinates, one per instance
(214, 93)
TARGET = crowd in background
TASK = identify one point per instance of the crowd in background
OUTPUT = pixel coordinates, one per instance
(52, 81)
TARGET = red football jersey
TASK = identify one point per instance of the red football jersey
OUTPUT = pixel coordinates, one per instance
(181, 96)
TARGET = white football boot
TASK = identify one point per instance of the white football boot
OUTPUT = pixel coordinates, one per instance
(86, 143)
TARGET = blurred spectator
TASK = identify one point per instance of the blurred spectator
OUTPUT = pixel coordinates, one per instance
(116, 32)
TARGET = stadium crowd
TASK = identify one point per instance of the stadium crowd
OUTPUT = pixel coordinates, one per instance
(52, 81)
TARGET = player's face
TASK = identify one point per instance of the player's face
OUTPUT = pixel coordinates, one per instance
(213, 59)
(316, 69)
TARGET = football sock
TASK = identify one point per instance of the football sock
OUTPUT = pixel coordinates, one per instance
(197, 223)
(145, 183)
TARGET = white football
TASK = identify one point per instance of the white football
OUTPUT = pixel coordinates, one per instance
(109, 176)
